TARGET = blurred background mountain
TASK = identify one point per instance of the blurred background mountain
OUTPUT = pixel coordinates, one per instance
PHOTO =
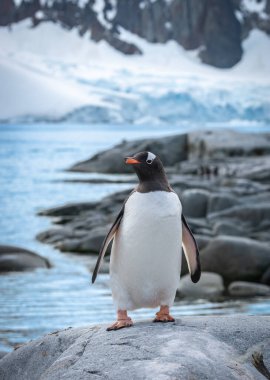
(216, 27)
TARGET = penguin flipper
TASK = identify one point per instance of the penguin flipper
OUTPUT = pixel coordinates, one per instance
(191, 251)
(107, 241)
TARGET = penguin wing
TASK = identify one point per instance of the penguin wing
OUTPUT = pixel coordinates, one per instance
(107, 241)
(191, 251)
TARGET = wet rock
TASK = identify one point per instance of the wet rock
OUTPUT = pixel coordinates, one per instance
(112, 160)
(194, 203)
(210, 286)
(236, 258)
(146, 351)
(14, 259)
(266, 277)
(248, 289)
(2, 354)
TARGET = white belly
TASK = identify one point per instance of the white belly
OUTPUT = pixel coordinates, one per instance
(146, 253)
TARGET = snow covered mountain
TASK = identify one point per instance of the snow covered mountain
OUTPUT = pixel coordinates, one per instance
(143, 62)
(215, 27)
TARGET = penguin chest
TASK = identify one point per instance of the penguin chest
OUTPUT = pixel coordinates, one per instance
(146, 253)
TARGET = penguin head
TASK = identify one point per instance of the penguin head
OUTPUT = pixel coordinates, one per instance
(147, 166)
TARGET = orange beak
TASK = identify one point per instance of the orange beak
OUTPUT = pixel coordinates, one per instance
(131, 161)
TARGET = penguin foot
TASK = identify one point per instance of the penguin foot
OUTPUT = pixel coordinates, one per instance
(164, 318)
(120, 324)
(163, 315)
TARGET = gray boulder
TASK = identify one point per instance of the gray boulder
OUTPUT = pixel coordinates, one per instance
(210, 286)
(112, 160)
(248, 289)
(186, 349)
(14, 259)
(202, 241)
(218, 202)
(236, 258)
(228, 228)
(194, 202)
(248, 215)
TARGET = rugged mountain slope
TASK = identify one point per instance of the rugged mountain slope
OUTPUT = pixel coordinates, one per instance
(215, 27)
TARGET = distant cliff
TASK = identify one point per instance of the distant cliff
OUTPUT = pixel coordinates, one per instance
(215, 27)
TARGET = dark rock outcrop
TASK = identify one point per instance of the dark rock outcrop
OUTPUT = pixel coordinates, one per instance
(7, 12)
(222, 33)
(193, 149)
(14, 259)
(186, 349)
(169, 149)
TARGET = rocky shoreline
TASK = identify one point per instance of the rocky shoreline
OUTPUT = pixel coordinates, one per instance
(223, 180)
(215, 347)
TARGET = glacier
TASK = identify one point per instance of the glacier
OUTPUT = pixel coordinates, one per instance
(49, 73)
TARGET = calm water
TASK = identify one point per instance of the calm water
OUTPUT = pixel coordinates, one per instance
(32, 163)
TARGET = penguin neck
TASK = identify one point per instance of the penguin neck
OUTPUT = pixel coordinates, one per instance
(154, 182)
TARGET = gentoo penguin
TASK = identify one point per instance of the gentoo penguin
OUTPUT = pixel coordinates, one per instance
(147, 237)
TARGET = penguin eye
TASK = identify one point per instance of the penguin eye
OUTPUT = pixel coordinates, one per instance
(149, 162)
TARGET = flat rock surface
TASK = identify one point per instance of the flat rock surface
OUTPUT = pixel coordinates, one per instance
(191, 348)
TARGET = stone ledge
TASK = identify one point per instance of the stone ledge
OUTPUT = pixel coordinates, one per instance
(210, 347)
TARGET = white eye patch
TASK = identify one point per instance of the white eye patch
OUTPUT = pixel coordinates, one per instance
(150, 158)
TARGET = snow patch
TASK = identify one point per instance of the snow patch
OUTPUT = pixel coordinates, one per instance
(255, 59)
(98, 7)
(82, 3)
(39, 15)
(239, 16)
(112, 12)
(254, 6)
(168, 25)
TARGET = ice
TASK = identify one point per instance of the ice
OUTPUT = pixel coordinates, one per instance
(49, 72)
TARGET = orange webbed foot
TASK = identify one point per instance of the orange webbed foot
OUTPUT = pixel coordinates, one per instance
(120, 324)
(163, 315)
